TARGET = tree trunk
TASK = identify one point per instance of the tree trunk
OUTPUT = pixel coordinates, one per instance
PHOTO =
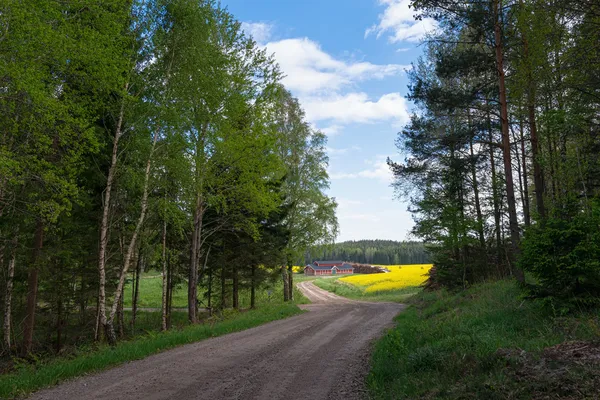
(194, 256)
(223, 291)
(169, 289)
(538, 175)
(210, 278)
(33, 288)
(165, 279)
(291, 281)
(132, 243)
(286, 296)
(121, 319)
(104, 223)
(136, 291)
(526, 203)
(495, 194)
(510, 192)
(235, 292)
(477, 201)
(59, 324)
(82, 301)
(520, 177)
(253, 288)
(98, 324)
(7, 326)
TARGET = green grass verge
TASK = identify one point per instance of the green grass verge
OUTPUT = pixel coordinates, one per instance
(341, 288)
(29, 378)
(445, 346)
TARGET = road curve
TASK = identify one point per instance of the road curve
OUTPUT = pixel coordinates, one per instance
(321, 354)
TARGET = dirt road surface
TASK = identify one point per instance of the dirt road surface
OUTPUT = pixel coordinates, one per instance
(321, 354)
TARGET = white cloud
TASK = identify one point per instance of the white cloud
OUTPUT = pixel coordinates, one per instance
(361, 217)
(260, 31)
(398, 22)
(377, 170)
(344, 203)
(331, 130)
(356, 107)
(331, 151)
(308, 69)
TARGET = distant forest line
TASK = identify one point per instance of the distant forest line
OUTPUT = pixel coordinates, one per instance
(385, 252)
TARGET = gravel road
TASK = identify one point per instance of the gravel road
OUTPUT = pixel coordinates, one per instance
(321, 354)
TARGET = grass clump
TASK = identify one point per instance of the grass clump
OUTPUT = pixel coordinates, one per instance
(28, 378)
(479, 344)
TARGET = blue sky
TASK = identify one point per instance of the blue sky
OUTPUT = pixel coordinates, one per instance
(346, 61)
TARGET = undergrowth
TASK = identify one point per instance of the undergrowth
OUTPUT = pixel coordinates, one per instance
(461, 346)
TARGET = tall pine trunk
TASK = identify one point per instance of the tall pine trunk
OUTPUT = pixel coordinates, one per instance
(538, 175)
(495, 195)
(477, 200)
(525, 190)
(510, 191)
(32, 288)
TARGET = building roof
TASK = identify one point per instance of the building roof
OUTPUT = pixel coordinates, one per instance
(329, 265)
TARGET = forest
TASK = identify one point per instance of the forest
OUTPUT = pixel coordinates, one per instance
(503, 149)
(384, 252)
(144, 136)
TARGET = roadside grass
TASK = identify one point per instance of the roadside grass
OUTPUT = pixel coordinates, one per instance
(356, 292)
(85, 357)
(446, 346)
(28, 378)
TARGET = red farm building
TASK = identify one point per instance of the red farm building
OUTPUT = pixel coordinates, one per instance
(328, 268)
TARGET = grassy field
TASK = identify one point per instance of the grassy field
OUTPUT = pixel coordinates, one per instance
(150, 293)
(26, 377)
(484, 343)
(396, 286)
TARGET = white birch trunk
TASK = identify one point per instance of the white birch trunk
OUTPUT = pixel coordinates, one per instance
(8, 298)
(164, 276)
(105, 215)
(132, 242)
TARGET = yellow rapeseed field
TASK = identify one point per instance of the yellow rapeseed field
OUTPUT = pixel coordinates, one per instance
(400, 276)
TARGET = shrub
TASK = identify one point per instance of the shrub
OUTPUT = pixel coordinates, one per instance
(563, 255)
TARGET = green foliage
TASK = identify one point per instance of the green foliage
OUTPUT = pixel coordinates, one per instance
(563, 256)
(185, 113)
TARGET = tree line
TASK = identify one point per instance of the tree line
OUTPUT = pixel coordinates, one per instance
(384, 252)
(503, 147)
(145, 135)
